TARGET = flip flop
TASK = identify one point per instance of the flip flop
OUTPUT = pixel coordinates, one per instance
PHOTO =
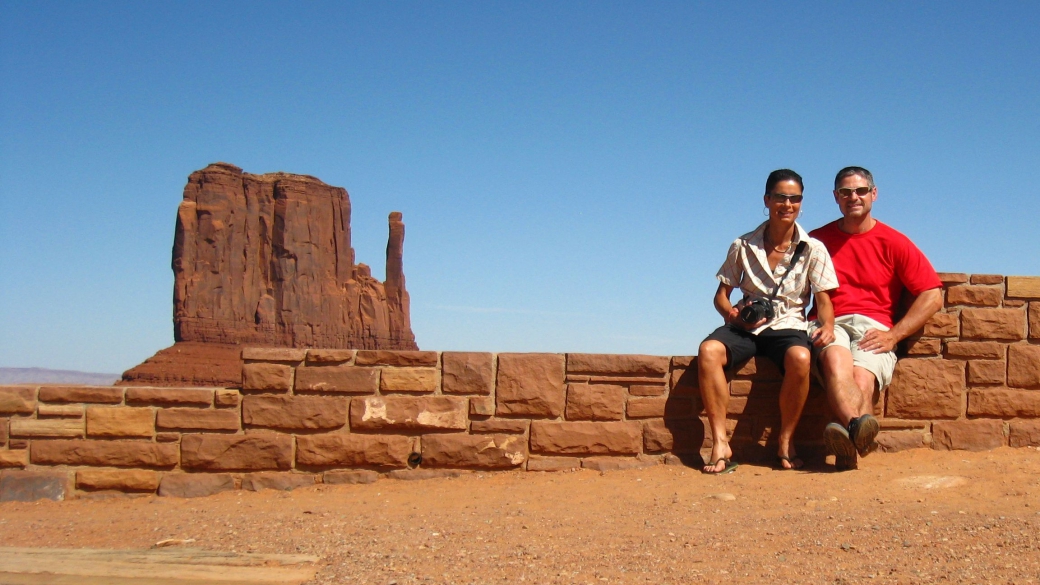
(730, 466)
(790, 460)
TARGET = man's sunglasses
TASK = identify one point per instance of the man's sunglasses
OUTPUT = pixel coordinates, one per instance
(846, 192)
(781, 198)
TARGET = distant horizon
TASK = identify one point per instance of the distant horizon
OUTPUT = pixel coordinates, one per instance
(32, 375)
(570, 174)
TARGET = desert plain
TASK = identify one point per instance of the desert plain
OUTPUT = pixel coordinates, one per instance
(917, 516)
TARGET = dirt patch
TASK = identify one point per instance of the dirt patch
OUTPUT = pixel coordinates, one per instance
(913, 517)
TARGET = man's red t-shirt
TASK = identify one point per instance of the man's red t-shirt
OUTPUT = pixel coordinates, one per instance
(873, 269)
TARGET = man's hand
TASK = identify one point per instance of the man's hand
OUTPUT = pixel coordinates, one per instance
(877, 341)
(823, 336)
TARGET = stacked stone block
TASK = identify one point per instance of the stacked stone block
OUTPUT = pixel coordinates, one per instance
(970, 380)
(594, 412)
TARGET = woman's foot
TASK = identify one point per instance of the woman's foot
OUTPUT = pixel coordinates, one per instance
(721, 461)
(786, 458)
(785, 462)
(720, 467)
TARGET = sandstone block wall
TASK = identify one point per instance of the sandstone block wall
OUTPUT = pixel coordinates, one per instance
(970, 380)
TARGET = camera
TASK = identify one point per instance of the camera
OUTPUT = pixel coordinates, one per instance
(755, 310)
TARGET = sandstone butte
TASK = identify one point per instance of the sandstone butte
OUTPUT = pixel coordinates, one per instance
(266, 260)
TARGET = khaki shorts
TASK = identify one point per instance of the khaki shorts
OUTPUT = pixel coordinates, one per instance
(848, 330)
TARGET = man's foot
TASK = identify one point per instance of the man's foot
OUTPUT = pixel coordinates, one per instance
(836, 437)
(863, 430)
(846, 463)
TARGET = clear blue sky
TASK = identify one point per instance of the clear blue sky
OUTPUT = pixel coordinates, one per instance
(570, 173)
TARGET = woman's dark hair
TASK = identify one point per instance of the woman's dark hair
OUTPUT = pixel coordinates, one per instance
(783, 175)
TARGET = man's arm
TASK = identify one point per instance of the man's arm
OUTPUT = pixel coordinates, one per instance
(924, 306)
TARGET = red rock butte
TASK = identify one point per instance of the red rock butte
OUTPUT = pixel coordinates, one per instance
(266, 260)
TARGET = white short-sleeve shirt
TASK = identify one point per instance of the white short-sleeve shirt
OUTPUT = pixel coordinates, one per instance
(747, 268)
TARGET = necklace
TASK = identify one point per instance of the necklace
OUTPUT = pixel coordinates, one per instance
(777, 248)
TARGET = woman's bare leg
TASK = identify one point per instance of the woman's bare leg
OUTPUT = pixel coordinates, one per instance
(711, 364)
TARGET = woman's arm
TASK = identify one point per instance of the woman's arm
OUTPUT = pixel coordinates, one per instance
(723, 305)
(732, 271)
(825, 314)
(731, 314)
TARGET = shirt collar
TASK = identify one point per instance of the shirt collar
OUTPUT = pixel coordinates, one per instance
(758, 236)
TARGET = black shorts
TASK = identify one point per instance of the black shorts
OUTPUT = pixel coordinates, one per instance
(741, 345)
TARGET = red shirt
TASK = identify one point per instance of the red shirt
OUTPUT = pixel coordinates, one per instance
(873, 270)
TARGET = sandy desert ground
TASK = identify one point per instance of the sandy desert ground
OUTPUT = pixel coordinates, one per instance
(913, 517)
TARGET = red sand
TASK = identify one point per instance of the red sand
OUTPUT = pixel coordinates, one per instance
(913, 517)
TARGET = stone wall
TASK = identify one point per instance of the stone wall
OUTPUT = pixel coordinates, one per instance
(971, 380)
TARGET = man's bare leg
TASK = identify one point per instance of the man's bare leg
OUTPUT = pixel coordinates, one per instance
(852, 404)
(866, 383)
(711, 363)
(846, 401)
(844, 394)
(864, 429)
(793, 392)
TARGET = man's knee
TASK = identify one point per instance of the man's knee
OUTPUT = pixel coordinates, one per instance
(835, 361)
(866, 380)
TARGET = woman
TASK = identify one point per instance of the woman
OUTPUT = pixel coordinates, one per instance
(775, 266)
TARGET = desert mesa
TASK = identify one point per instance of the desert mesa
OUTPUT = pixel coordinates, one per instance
(266, 260)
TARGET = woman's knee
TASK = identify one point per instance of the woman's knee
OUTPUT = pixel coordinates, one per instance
(797, 360)
(711, 353)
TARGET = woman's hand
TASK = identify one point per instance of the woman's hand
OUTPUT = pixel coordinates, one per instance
(823, 336)
(731, 314)
(735, 320)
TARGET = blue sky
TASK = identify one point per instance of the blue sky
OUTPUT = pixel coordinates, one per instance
(570, 173)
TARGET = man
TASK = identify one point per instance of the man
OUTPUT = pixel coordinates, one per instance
(875, 264)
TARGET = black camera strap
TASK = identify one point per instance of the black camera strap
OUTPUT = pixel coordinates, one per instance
(794, 260)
